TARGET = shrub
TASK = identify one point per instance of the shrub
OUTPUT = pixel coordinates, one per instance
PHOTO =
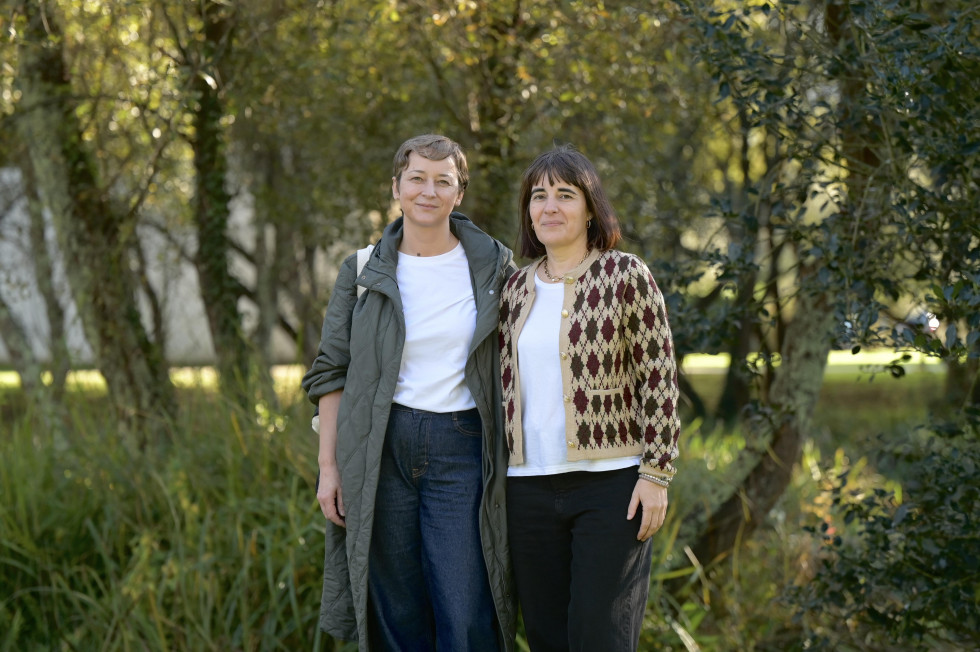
(902, 565)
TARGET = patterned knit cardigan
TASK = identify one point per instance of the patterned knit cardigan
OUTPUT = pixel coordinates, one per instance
(619, 377)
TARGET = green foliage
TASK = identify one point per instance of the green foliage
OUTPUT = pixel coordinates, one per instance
(855, 126)
(901, 565)
(738, 602)
(211, 542)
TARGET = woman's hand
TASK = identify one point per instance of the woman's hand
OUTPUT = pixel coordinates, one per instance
(653, 499)
(330, 495)
(328, 491)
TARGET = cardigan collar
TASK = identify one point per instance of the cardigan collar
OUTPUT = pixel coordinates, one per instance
(570, 276)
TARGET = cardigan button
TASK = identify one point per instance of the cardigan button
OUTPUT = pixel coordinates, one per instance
(571, 443)
(564, 313)
(564, 356)
(569, 280)
(568, 399)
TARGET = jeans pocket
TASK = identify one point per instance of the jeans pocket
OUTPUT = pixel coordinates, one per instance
(468, 423)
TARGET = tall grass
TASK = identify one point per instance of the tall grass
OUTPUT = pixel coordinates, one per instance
(210, 541)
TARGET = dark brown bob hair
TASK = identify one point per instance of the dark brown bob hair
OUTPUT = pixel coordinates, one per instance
(567, 164)
(435, 148)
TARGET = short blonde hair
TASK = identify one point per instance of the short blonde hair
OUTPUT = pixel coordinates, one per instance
(435, 148)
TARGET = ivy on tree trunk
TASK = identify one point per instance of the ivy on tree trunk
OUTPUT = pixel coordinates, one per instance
(94, 237)
(219, 289)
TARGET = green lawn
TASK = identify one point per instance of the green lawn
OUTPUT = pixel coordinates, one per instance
(696, 364)
(856, 401)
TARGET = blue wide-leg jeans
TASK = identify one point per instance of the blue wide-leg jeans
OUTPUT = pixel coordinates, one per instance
(427, 580)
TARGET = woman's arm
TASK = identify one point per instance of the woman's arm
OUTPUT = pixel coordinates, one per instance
(324, 384)
(650, 347)
(329, 493)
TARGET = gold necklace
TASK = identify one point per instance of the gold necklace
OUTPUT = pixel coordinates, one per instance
(559, 279)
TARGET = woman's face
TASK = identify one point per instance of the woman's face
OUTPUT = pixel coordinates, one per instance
(559, 214)
(428, 191)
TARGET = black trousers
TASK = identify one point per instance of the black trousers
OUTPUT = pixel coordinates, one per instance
(582, 577)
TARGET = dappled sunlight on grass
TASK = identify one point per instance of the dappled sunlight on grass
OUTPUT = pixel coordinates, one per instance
(286, 381)
(286, 378)
(83, 379)
(194, 377)
(857, 400)
(704, 363)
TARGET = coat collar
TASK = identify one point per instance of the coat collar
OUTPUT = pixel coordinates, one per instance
(487, 258)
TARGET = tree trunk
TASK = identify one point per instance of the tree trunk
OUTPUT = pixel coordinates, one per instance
(488, 125)
(794, 394)
(492, 199)
(44, 273)
(268, 168)
(962, 384)
(211, 209)
(737, 390)
(93, 237)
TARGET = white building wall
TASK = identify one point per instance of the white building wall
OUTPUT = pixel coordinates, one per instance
(187, 338)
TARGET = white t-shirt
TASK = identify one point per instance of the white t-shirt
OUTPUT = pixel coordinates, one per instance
(440, 317)
(542, 408)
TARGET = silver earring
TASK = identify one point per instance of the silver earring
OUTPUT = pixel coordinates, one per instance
(588, 223)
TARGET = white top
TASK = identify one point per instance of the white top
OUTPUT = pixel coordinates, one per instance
(543, 414)
(440, 317)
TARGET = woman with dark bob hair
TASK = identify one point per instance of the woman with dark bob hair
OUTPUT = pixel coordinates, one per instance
(590, 396)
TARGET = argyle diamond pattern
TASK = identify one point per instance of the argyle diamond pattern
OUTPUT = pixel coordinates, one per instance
(622, 380)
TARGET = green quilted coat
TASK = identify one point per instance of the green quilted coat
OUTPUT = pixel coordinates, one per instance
(360, 352)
